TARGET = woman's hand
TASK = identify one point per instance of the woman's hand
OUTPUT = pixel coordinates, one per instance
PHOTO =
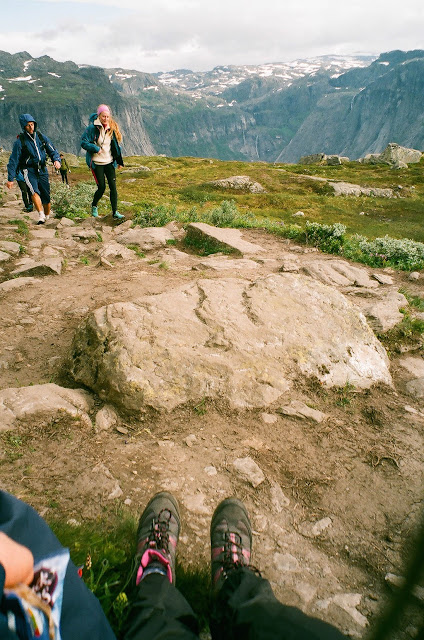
(17, 560)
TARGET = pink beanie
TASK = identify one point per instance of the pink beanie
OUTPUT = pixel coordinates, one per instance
(103, 108)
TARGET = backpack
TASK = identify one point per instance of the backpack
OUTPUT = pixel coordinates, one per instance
(26, 154)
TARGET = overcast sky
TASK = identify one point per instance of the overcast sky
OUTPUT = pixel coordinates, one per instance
(162, 35)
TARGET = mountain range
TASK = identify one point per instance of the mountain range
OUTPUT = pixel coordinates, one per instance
(346, 105)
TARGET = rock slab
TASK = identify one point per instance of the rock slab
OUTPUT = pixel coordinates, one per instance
(228, 339)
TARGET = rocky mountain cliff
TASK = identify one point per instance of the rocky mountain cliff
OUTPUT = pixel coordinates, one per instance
(273, 112)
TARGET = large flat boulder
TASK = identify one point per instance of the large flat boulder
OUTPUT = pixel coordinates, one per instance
(16, 283)
(147, 239)
(395, 153)
(239, 183)
(222, 238)
(45, 267)
(349, 189)
(228, 339)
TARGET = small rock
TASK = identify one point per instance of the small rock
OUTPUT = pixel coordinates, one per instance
(10, 247)
(102, 468)
(314, 529)
(409, 409)
(381, 278)
(115, 493)
(299, 409)
(253, 443)
(105, 263)
(278, 499)
(4, 257)
(414, 275)
(306, 591)
(122, 430)
(260, 522)
(416, 387)
(166, 443)
(285, 562)
(190, 440)
(106, 418)
(196, 504)
(269, 418)
(210, 471)
(348, 602)
(66, 222)
(128, 502)
(249, 470)
(398, 581)
(290, 265)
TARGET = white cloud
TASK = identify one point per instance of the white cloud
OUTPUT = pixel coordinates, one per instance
(196, 34)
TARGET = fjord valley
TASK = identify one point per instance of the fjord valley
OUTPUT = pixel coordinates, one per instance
(274, 112)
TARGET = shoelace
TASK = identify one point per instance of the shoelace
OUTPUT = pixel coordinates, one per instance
(233, 554)
(159, 533)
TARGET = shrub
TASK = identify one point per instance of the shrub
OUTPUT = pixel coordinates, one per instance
(327, 237)
(73, 202)
(225, 214)
(403, 254)
(151, 216)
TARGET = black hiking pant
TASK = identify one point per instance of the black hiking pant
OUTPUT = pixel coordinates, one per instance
(246, 609)
(103, 172)
(26, 197)
(64, 174)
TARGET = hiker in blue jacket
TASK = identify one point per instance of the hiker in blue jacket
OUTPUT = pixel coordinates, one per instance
(29, 155)
(101, 142)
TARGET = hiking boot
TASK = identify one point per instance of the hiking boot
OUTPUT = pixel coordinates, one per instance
(41, 218)
(118, 216)
(231, 540)
(94, 212)
(157, 536)
(29, 208)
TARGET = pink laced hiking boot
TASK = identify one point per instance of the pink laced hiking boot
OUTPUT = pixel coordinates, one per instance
(157, 536)
(231, 540)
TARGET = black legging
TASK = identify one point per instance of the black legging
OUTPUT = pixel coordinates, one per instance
(100, 172)
(64, 174)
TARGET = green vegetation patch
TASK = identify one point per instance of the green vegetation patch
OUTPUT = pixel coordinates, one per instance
(22, 227)
(74, 202)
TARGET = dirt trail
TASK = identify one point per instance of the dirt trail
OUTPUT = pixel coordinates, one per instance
(340, 500)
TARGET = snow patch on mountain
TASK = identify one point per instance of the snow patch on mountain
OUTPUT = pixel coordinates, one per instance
(214, 82)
